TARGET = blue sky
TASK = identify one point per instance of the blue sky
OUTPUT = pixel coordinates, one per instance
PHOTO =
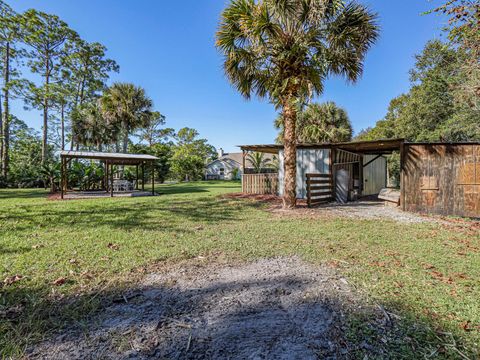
(167, 47)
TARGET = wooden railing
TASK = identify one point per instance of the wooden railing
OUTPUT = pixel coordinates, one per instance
(260, 184)
(319, 189)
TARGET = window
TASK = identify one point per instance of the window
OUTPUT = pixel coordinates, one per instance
(222, 171)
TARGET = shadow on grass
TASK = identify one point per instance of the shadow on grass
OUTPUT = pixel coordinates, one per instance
(17, 250)
(257, 317)
(197, 187)
(22, 194)
(155, 214)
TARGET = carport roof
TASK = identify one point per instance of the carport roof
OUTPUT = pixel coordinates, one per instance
(364, 147)
(113, 158)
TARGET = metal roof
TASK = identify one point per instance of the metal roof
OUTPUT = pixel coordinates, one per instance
(372, 147)
(116, 158)
(365, 147)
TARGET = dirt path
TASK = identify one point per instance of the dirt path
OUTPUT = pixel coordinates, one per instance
(278, 308)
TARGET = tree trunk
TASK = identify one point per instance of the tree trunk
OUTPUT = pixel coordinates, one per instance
(63, 125)
(45, 131)
(72, 139)
(1, 132)
(290, 155)
(125, 139)
(45, 112)
(6, 113)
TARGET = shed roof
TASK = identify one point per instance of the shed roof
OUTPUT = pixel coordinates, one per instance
(113, 158)
(365, 147)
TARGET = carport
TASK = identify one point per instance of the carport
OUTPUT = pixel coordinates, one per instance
(109, 160)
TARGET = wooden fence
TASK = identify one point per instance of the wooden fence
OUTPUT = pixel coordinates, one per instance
(319, 189)
(260, 184)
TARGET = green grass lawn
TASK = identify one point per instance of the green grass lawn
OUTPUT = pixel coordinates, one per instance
(69, 252)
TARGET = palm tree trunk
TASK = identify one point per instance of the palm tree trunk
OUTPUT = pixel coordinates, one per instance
(290, 155)
(6, 113)
(125, 137)
(125, 142)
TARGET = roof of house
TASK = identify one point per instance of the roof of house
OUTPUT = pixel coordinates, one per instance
(237, 157)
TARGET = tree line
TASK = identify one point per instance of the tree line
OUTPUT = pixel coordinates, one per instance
(50, 68)
(443, 103)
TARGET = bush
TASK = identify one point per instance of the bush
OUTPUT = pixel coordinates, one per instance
(235, 174)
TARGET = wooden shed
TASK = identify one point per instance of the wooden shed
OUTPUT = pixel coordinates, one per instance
(438, 178)
(441, 178)
(341, 171)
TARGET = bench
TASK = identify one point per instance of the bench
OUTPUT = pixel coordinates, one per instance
(390, 195)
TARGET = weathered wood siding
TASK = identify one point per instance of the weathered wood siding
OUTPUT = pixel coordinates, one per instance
(260, 184)
(374, 175)
(315, 161)
(442, 179)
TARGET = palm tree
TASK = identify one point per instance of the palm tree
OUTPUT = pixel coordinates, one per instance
(285, 49)
(258, 161)
(90, 128)
(128, 106)
(320, 123)
(51, 173)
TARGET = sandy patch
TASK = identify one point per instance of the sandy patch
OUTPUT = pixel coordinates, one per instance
(281, 308)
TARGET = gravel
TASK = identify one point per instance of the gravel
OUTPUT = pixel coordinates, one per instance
(375, 210)
(363, 210)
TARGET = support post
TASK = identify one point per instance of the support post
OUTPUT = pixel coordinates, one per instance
(66, 176)
(105, 176)
(62, 177)
(153, 178)
(360, 177)
(136, 178)
(143, 176)
(402, 176)
(244, 154)
(111, 180)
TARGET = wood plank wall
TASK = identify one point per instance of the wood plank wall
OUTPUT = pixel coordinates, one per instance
(442, 179)
(260, 184)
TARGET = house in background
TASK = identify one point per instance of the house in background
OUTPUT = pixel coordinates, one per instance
(230, 166)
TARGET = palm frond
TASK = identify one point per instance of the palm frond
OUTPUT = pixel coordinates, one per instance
(279, 48)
